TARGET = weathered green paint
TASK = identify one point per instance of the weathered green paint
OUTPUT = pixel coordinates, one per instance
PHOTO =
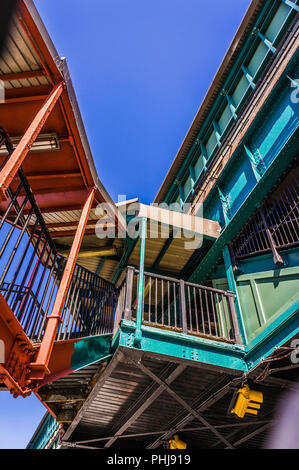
(260, 191)
(277, 333)
(182, 346)
(233, 288)
(264, 296)
(91, 350)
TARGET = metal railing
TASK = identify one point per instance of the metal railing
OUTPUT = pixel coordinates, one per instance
(31, 271)
(275, 226)
(180, 306)
(89, 307)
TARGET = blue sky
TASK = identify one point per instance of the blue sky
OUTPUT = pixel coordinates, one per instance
(140, 69)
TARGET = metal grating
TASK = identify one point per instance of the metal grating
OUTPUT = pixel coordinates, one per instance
(275, 225)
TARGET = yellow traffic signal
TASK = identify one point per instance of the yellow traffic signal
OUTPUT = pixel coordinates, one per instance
(176, 443)
(248, 401)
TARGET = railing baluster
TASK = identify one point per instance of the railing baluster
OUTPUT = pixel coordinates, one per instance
(190, 309)
(220, 315)
(208, 312)
(129, 293)
(168, 307)
(150, 299)
(175, 305)
(195, 308)
(202, 312)
(214, 314)
(183, 307)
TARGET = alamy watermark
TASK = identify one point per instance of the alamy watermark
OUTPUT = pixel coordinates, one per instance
(163, 221)
(295, 353)
(295, 92)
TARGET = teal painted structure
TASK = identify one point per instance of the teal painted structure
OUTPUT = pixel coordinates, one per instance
(266, 294)
(44, 433)
(90, 350)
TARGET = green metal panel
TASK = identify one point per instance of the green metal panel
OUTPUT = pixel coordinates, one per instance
(276, 334)
(277, 23)
(240, 90)
(251, 317)
(187, 187)
(211, 144)
(265, 295)
(90, 350)
(263, 20)
(225, 119)
(271, 136)
(199, 166)
(257, 60)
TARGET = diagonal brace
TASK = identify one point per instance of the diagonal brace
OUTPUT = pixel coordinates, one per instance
(182, 402)
(153, 396)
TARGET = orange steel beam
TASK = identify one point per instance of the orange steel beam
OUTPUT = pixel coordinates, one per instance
(39, 176)
(16, 159)
(24, 99)
(39, 368)
(30, 93)
(22, 75)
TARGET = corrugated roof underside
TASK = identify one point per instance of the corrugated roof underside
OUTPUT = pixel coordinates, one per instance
(19, 56)
(127, 388)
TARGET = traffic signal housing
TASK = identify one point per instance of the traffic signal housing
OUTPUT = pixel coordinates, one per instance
(177, 443)
(248, 401)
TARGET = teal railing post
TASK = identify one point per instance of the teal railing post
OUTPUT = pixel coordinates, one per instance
(140, 300)
(233, 288)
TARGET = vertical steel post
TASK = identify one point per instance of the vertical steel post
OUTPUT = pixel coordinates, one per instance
(183, 313)
(17, 157)
(139, 312)
(233, 288)
(129, 292)
(40, 366)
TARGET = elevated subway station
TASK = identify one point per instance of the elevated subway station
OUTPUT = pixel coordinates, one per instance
(130, 340)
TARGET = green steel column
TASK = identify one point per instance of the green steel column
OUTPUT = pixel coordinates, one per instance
(138, 332)
(233, 288)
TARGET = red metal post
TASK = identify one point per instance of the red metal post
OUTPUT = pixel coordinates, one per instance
(40, 367)
(17, 157)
